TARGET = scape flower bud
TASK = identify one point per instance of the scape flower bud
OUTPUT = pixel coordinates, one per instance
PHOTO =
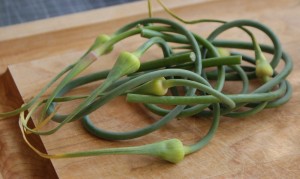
(171, 150)
(223, 52)
(126, 63)
(100, 40)
(263, 70)
(153, 87)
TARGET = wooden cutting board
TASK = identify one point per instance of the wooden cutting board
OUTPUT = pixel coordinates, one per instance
(265, 145)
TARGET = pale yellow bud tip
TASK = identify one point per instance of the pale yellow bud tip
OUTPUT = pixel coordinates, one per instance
(171, 150)
(153, 87)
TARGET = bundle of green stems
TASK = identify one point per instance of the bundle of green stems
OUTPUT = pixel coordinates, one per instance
(180, 79)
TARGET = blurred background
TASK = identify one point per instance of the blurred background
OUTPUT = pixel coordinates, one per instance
(20, 11)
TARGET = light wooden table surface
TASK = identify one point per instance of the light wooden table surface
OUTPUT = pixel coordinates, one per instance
(266, 145)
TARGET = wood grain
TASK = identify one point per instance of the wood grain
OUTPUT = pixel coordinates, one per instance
(17, 160)
(262, 146)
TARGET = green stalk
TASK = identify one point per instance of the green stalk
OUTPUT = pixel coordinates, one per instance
(210, 134)
(208, 99)
(83, 63)
(179, 100)
(171, 150)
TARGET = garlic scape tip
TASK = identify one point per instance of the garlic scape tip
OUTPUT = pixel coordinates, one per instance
(263, 69)
(99, 43)
(126, 63)
(153, 87)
